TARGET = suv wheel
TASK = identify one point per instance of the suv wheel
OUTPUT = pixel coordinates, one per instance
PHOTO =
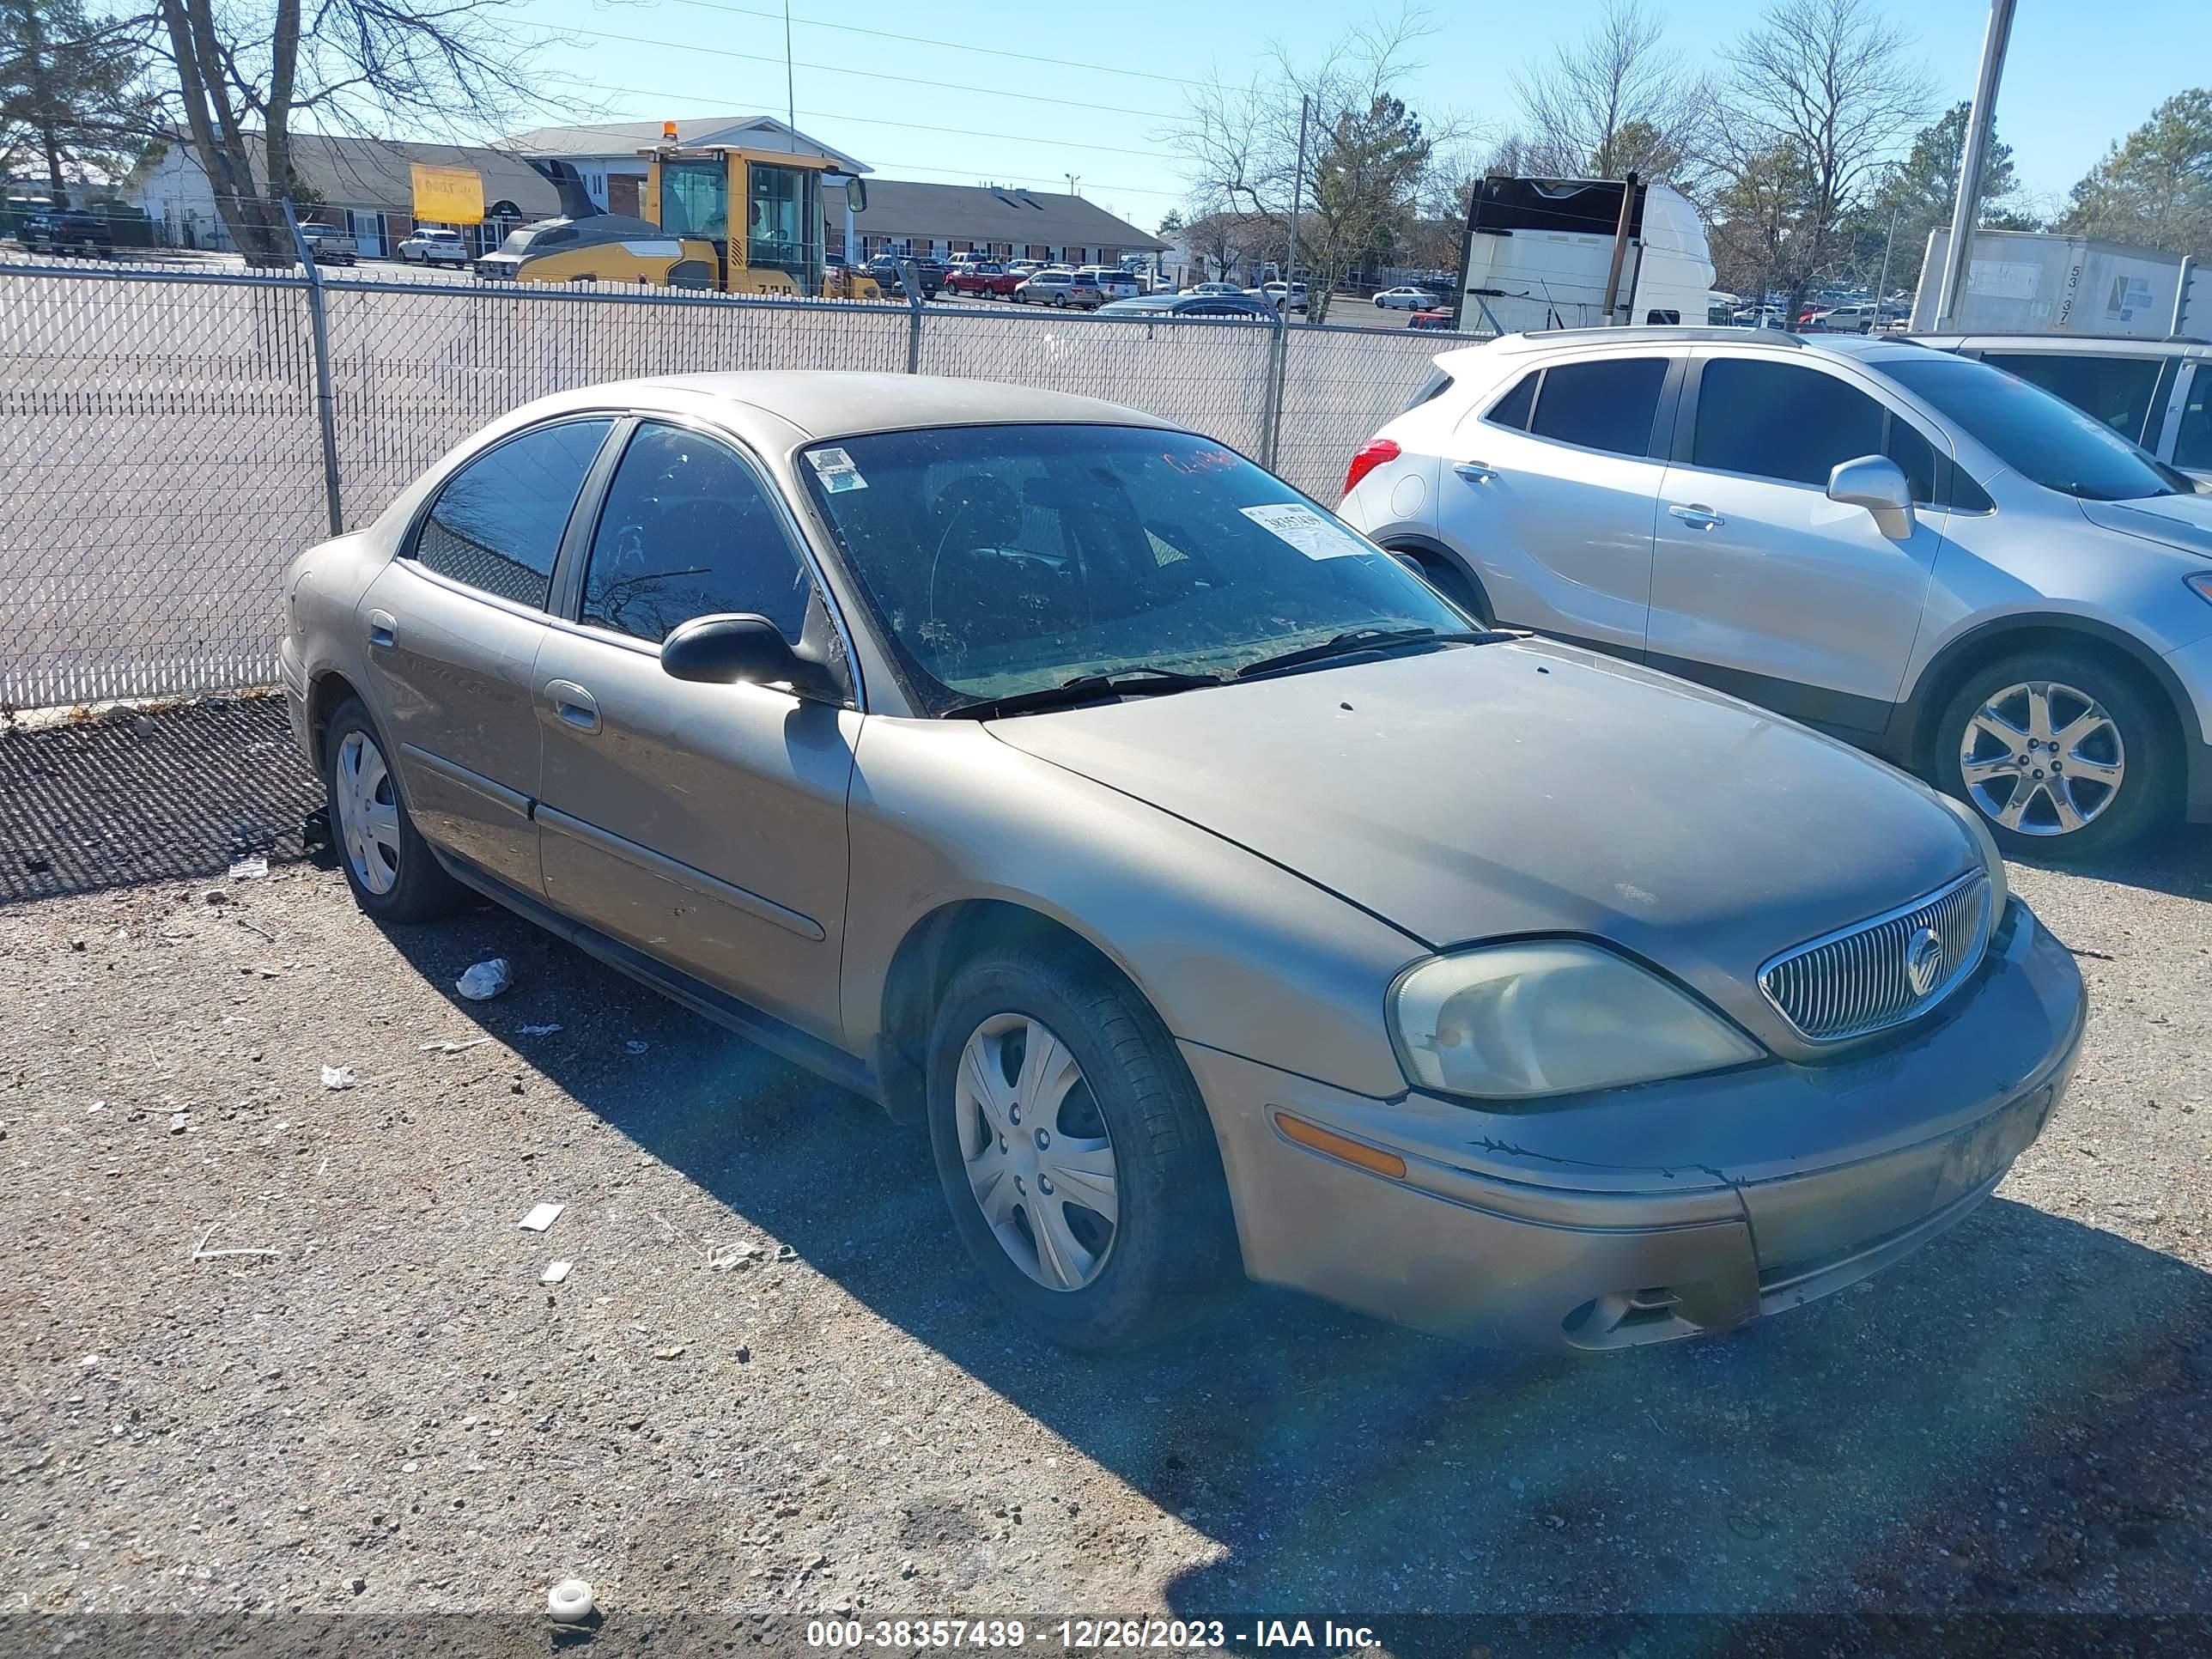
(394, 875)
(1075, 1151)
(1447, 578)
(2063, 755)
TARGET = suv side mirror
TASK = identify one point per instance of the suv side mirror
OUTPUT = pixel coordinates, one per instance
(726, 649)
(1878, 484)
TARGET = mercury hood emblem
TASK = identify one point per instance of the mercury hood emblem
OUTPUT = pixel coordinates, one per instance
(1924, 961)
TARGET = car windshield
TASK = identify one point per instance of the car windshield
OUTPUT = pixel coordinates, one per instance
(519, 240)
(1005, 559)
(2043, 438)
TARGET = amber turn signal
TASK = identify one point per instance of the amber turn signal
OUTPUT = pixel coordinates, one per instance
(1359, 1153)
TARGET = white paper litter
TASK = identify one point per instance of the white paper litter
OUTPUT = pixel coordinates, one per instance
(251, 867)
(636, 1047)
(541, 1216)
(536, 1030)
(453, 1047)
(554, 1272)
(338, 1077)
(485, 981)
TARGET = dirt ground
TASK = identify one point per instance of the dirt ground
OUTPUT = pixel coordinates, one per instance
(267, 1345)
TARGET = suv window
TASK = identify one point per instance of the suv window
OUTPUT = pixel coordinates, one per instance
(2117, 390)
(1606, 406)
(688, 530)
(497, 522)
(1797, 425)
(2192, 444)
(1512, 410)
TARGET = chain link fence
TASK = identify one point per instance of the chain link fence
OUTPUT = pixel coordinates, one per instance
(162, 452)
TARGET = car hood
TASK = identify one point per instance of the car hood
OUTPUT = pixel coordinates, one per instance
(1529, 788)
(2178, 521)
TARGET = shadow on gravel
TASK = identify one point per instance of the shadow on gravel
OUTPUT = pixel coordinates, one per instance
(148, 798)
(2012, 1418)
(2177, 861)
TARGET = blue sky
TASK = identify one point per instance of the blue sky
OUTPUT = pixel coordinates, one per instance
(1105, 111)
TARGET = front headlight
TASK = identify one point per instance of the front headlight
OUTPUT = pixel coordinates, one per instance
(1551, 1017)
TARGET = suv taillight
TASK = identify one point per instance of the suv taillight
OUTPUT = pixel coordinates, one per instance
(1369, 456)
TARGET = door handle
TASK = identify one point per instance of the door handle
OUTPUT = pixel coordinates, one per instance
(1476, 472)
(381, 630)
(573, 705)
(1697, 516)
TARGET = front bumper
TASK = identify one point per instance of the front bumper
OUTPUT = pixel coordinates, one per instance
(1662, 1212)
(2191, 667)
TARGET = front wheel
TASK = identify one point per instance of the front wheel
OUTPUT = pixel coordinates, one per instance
(2063, 755)
(1075, 1152)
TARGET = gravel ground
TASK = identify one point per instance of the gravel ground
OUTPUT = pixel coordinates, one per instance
(272, 1345)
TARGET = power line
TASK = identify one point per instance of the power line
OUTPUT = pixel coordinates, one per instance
(952, 46)
(872, 75)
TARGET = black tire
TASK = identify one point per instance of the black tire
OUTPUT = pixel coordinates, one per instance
(2140, 737)
(1173, 1253)
(422, 892)
(1447, 578)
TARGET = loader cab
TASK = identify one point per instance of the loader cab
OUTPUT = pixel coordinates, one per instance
(760, 213)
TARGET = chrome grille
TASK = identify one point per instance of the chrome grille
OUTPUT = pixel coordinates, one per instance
(1859, 979)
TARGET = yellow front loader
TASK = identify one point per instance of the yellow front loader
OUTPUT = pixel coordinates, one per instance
(682, 236)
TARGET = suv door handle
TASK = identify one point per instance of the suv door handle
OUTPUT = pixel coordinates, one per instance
(573, 705)
(1476, 472)
(1697, 516)
(381, 630)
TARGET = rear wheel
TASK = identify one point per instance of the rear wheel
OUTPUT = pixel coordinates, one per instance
(2063, 754)
(1447, 578)
(1075, 1152)
(394, 874)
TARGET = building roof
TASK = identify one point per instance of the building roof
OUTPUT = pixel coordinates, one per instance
(626, 138)
(975, 213)
(373, 173)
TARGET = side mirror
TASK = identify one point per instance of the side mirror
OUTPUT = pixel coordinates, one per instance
(722, 650)
(1878, 484)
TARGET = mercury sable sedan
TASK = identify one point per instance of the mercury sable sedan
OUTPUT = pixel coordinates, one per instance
(1218, 896)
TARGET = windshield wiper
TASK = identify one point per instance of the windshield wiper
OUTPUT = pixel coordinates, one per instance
(1361, 641)
(1142, 680)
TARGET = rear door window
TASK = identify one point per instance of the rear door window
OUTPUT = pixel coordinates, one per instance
(1513, 409)
(1606, 406)
(2117, 390)
(2192, 444)
(497, 523)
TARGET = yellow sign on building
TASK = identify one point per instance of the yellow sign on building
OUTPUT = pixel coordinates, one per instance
(448, 196)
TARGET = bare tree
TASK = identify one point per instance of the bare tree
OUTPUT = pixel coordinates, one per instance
(1615, 101)
(1835, 87)
(360, 67)
(1367, 154)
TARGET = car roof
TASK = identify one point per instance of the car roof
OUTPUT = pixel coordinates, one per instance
(2103, 345)
(838, 403)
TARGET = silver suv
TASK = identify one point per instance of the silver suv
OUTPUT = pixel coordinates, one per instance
(1908, 549)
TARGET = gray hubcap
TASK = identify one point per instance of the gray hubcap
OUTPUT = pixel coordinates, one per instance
(2043, 759)
(1039, 1158)
(368, 812)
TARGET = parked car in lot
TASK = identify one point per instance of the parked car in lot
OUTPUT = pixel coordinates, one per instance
(329, 245)
(1276, 294)
(889, 271)
(1190, 869)
(1110, 282)
(984, 279)
(1216, 291)
(1059, 287)
(67, 230)
(1441, 317)
(1227, 307)
(1407, 298)
(2154, 392)
(1848, 320)
(429, 246)
(1905, 548)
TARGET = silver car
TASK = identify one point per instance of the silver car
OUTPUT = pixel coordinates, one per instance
(1220, 897)
(1919, 553)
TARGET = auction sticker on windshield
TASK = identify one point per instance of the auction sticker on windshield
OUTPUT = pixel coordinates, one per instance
(1312, 533)
(835, 470)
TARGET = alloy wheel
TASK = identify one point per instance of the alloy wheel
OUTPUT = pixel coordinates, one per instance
(1039, 1157)
(368, 812)
(2042, 758)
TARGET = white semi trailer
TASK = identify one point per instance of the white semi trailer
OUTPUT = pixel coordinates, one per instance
(2024, 282)
(1539, 252)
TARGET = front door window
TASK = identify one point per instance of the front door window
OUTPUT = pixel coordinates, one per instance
(779, 212)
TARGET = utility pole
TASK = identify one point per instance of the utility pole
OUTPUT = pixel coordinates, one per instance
(1972, 160)
(1297, 193)
(1881, 288)
(1619, 246)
